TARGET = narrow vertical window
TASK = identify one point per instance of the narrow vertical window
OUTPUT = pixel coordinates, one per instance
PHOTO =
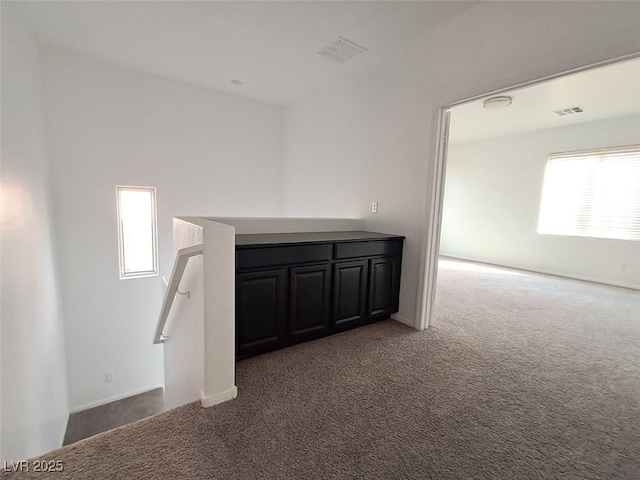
(137, 232)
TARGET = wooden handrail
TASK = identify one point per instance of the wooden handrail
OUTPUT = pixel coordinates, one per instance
(182, 257)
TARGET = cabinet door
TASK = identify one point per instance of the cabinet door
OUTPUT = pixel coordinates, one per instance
(309, 295)
(383, 276)
(349, 294)
(260, 312)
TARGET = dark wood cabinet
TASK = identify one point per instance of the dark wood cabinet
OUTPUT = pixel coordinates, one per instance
(309, 296)
(383, 294)
(260, 312)
(349, 293)
(296, 287)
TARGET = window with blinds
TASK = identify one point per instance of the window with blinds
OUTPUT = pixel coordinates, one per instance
(592, 194)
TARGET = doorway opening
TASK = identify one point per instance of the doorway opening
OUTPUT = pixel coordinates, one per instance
(485, 200)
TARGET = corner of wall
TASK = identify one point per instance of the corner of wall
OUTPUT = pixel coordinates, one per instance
(34, 382)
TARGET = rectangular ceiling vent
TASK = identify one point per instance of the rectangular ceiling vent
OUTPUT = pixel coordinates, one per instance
(568, 111)
(342, 50)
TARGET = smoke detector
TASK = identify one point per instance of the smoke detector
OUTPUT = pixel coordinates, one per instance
(342, 50)
(568, 111)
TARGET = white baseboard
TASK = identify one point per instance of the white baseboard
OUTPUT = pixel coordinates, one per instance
(545, 272)
(403, 320)
(115, 398)
(211, 400)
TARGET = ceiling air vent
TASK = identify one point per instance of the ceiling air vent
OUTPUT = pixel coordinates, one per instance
(568, 111)
(341, 50)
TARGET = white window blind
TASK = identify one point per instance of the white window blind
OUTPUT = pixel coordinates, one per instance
(592, 194)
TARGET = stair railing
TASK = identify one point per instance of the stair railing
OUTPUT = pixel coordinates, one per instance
(182, 257)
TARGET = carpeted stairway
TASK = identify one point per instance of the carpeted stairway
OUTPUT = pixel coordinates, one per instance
(522, 376)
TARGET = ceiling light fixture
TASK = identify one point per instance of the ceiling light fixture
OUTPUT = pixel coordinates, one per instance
(497, 102)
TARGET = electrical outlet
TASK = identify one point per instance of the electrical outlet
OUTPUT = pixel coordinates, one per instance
(109, 377)
(374, 207)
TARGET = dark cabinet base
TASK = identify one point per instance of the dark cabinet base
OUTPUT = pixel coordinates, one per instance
(309, 295)
(260, 308)
(290, 292)
(349, 294)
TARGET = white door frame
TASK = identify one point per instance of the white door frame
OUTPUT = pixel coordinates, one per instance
(431, 242)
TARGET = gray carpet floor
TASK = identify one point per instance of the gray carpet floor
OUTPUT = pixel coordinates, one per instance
(92, 421)
(522, 376)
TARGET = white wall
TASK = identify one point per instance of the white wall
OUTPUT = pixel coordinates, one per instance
(207, 153)
(33, 386)
(373, 137)
(492, 200)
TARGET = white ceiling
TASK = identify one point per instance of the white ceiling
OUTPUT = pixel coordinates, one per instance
(606, 92)
(272, 47)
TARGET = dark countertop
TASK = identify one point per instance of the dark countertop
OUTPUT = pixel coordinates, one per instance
(269, 239)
